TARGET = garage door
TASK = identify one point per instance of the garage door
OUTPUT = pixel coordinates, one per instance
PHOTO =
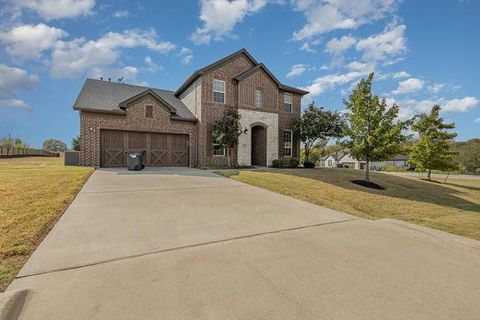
(162, 150)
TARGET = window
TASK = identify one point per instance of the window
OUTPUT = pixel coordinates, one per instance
(218, 149)
(148, 111)
(258, 98)
(287, 102)
(330, 162)
(218, 91)
(287, 143)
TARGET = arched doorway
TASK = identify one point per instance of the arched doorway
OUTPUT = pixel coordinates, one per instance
(259, 145)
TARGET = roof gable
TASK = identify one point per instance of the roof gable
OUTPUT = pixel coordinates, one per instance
(124, 104)
(261, 66)
(213, 65)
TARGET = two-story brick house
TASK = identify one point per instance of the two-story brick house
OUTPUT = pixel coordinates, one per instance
(175, 127)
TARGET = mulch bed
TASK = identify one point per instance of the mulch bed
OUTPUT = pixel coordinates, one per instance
(368, 184)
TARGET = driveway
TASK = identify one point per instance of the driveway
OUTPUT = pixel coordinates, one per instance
(188, 244)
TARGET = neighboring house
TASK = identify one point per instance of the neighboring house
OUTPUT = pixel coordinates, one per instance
(399, 161)
(346, 160)
(175, 127)
(343, 158)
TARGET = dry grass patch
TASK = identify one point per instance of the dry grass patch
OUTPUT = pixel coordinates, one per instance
(453, 207)
(34, 192)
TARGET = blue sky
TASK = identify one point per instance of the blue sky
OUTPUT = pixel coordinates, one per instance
(423, 52)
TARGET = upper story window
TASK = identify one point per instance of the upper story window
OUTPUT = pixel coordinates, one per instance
(148, 111)
(287, 102)
(218, 91)
(287, 143)
(258, 98)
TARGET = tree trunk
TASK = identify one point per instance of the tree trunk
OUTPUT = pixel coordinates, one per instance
(228, 157)
(307, 154)
(367, 171)
(429, 174)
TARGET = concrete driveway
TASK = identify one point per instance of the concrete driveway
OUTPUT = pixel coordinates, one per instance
(188, 244)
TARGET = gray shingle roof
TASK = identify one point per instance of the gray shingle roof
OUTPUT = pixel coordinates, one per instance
(106, 96)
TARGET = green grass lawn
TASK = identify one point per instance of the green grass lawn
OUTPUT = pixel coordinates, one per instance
(34, 192)
(453, 207)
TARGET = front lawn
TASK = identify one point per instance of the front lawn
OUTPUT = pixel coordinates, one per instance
(453, 207)
(34, 192)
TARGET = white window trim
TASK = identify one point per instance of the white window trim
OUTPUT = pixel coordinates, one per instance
(261, 98)
(290, 103)
(291, 143)
(224, 91)
(223, 148)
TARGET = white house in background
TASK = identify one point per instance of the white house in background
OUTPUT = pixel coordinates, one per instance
(398, 160)
(346, 160)
(343, 158)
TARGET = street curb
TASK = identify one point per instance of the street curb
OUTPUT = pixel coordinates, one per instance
(11, 303)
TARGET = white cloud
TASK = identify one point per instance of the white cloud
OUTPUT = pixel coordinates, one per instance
(121, 14)
(306, 47)
(29, 41)
(321, 84)
(56, 9)
(408, 86)
(15, 103)
(327, 15)
(219, 17)
(297, 69)
(72, 58)
(389, 44)
(337, 46)
(401, 74)
(359, 66)
(186, 54)
(458, 105)
(152, 66)
(410, 107)
(14, 80)
(436, 87)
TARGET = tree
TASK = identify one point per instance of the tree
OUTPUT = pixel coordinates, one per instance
(316, 124)
(432, 149)
(9, 142)
(468, 154)
(76, 143)
(374, 131)
(227, 130)
(54, 145)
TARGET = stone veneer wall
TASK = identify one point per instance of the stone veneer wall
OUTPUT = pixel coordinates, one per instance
(270, 120)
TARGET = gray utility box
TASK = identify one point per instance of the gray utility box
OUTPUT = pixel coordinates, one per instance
(135, 160)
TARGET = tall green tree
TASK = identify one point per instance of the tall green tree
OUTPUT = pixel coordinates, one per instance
(316, 124)
(432, 149)
(227, 130)
(375, 133)
(76, 143)
(54, 145)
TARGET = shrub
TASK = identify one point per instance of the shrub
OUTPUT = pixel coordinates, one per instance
(309, 164)
(293, 163)
(276, 163)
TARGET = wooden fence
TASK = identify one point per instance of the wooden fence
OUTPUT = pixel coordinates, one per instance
(6, 152)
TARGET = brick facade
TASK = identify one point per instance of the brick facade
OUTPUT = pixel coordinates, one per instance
(240, 89)
(134, 120)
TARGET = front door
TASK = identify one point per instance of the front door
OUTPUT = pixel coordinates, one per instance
(259, 146)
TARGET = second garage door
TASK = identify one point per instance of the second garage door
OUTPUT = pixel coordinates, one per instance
(162, 150)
